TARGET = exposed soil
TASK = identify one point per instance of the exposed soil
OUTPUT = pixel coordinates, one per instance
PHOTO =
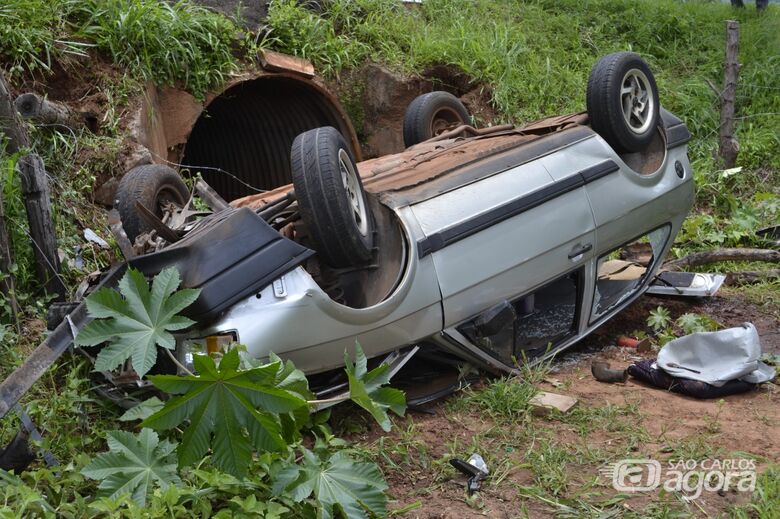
(84, 85)
(670, 427)
(79, 83)
(386, 94)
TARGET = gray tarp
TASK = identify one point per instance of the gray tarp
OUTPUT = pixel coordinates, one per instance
(717, 357)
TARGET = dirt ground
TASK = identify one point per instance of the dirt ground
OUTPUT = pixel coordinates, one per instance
(611, 422)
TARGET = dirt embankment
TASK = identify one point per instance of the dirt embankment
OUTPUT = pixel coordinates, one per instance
(379, 97)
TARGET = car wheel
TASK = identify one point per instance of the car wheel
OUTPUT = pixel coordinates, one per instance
(622, 101)
(331, 199)
(154, 186)
(432, 114)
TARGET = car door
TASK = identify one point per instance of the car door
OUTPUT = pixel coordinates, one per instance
(503, 236)
(632, 210)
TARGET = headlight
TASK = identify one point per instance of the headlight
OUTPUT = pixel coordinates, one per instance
(217, 344)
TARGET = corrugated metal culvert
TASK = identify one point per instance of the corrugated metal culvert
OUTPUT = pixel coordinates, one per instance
(241, 142)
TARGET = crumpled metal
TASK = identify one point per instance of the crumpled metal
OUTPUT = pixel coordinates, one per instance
(717, 357)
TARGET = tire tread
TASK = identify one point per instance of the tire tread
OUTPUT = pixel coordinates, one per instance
(321, 198)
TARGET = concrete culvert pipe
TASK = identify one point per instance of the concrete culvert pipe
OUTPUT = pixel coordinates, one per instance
(240, 143)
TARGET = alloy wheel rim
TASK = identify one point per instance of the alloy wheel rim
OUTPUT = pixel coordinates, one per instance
(351, 184)
(637, 101)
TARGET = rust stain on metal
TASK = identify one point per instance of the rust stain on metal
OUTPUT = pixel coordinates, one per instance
(437, 157)
(239, 136)
(422, 164)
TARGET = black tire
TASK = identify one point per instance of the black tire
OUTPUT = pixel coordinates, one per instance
(154, 186)
(430, 114)
(338, 218)
(627, 120)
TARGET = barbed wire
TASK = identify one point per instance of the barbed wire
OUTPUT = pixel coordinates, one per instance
(209, 168)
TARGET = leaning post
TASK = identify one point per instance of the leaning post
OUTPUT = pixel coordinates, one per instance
(13, 140)
(35, 187)
(728, 146)
(36, 195)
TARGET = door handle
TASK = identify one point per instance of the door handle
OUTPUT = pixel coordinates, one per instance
(579, 251)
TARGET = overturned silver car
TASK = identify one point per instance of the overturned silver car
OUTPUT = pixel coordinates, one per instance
(496, 245)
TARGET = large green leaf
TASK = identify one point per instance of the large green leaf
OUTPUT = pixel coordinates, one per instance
(339, 483)
(221, 402)
(143, 410)
(132, 464)
(137, 321)
(365, 389)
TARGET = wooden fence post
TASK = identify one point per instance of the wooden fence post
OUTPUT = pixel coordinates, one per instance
(728, 145)
(14, 141)
(36, 193)
(35, 188)
(7, 283)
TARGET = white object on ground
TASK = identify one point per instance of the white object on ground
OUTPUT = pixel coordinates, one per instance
(717, 357)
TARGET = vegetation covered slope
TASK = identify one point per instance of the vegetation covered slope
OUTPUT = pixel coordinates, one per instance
(532, 57)
(536, 55)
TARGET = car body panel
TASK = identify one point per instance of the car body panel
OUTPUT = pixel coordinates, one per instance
(525, 250)
(486, 219)
(297, 320)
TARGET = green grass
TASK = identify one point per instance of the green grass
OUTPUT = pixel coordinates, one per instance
(34, 33)
(161, 42)
(155, 41)
(536, 55)
(533, 58)
(505, 399)
(533, 55)
(765, 502)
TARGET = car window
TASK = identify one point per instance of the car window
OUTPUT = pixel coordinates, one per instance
(530, 325)
(622, 271)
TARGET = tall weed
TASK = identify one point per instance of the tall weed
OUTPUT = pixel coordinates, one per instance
(35, 32)
(161, 42)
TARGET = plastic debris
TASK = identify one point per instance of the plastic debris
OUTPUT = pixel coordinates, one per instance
(92, 236)
(602, 372)
(475, 468)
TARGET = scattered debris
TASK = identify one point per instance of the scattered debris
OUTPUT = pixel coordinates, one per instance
(209, 196)
(602, 372)
(475, 468)
(644, 346)
(115, 224)
(92, 236)
(641, 345)
(692, 284)
(648, 371)
(277, 62)
(771, 233)
(18, 455)
(544, 402)
(717, 357)
(708, 364)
